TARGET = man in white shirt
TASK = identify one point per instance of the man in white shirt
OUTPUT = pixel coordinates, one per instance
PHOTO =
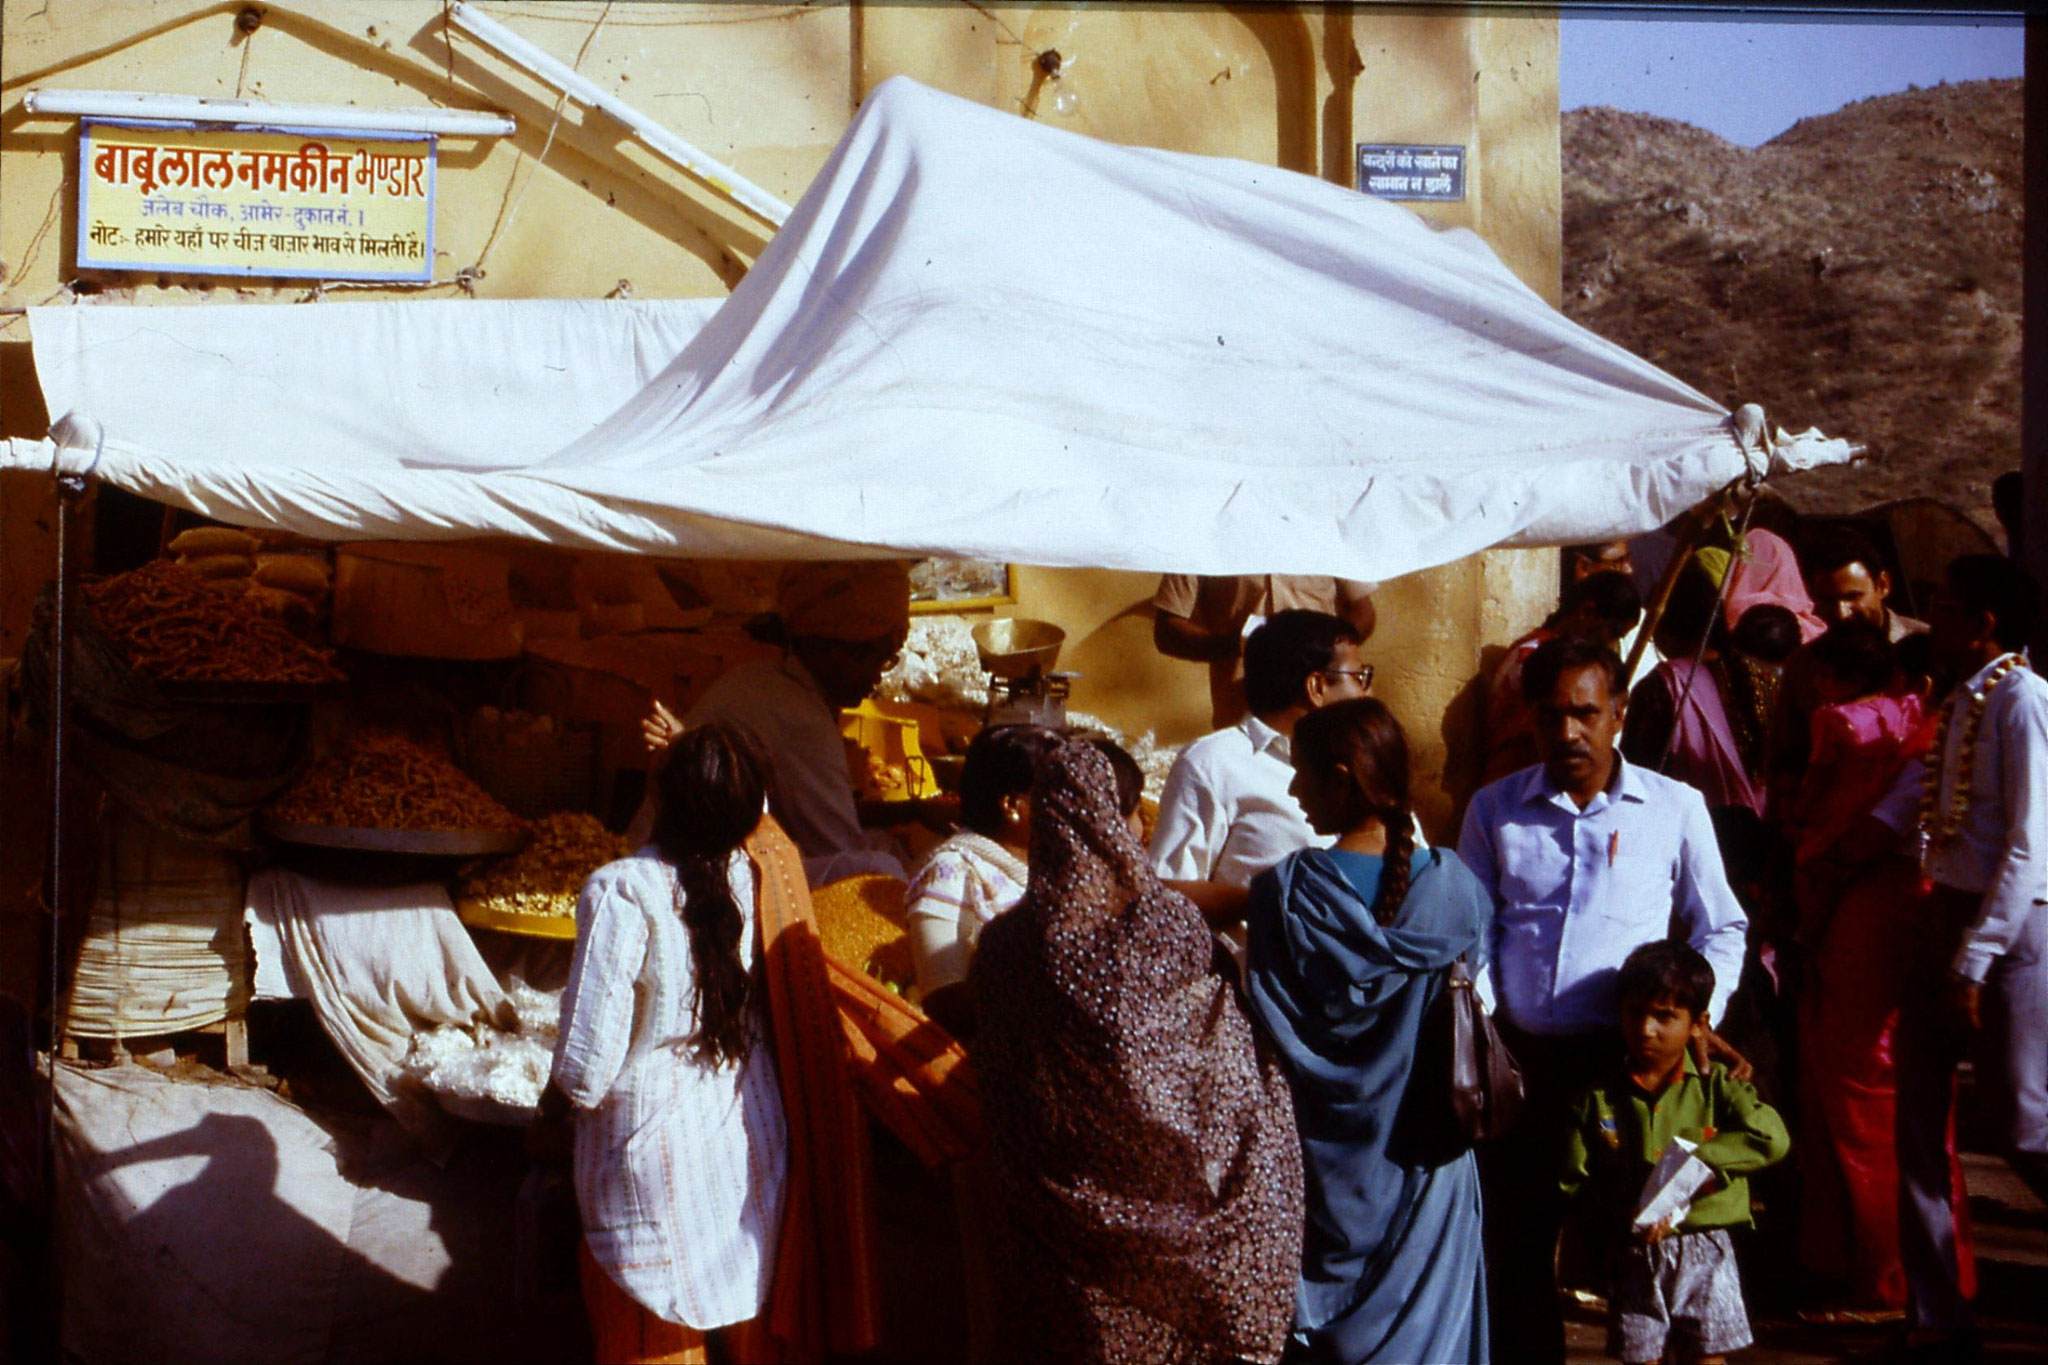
(1983, 967)
(1204, 620)
(1587, 857)
(1226, 813)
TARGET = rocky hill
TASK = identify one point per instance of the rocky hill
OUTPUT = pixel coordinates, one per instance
(1859, 273)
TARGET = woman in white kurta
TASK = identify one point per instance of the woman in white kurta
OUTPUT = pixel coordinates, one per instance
(978, 873)
(681, 1148)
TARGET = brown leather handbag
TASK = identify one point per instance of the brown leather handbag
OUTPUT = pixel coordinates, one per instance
(1486, 1086)
(1464, 1085)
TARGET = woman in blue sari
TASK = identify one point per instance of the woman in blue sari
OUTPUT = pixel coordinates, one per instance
(1349, 950)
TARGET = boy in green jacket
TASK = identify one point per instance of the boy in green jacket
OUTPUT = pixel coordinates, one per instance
(1675, 1285)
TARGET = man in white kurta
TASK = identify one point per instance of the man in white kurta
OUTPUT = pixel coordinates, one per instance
(1983, 967)
(1226, 813)
(679, 1165)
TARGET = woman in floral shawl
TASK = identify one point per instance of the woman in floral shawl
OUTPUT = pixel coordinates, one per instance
(1148, 1175)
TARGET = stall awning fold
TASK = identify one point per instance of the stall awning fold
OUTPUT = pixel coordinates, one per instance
(976, 335)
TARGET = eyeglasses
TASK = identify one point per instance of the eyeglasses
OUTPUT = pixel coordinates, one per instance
(1361, 676)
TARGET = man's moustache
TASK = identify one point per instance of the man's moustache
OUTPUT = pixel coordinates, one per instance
(1571, 751)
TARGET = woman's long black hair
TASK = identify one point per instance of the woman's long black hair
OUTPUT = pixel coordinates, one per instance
(712, 789)
(1363, 738)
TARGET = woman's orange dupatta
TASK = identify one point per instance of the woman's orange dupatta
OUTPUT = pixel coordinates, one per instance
(824, 1294)
(913, 1076)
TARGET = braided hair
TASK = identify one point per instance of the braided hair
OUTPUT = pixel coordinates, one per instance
(1363, 740)
(712, 790)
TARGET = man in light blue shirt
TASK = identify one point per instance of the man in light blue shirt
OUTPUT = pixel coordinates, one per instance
(1579, 883)
(1588, 858)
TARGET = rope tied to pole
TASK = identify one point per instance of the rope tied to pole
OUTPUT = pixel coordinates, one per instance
(1753, 434)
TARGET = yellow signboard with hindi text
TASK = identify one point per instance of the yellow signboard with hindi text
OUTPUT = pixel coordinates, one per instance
(183, 199)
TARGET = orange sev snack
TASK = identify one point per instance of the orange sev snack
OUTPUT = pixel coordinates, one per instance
(380, 780)
(172, 625)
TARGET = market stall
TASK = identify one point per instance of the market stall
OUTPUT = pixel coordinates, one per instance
(975, 336)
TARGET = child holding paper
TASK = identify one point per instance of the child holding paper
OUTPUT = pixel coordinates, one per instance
(1662, 1148)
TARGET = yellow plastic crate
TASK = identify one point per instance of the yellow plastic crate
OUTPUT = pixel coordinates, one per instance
(891, 765)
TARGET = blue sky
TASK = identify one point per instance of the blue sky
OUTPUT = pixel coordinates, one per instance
(1749, 81)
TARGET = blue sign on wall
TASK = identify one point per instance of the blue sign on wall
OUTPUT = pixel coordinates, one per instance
(1395, 170)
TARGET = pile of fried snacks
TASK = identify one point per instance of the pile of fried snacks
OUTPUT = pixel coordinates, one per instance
(378, 780)
(860, 922)
(174, 627)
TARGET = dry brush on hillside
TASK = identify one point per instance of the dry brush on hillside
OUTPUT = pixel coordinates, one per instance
(1859, 273)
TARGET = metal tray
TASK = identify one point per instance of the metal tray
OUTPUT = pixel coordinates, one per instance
(481, 916)
(231, 693)
(443, 843)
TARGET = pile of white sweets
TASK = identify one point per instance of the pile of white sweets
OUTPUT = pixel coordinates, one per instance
(477, 1062)
(938, 666)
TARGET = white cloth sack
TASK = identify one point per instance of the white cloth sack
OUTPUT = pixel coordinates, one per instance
(379, 964)
(975, 335)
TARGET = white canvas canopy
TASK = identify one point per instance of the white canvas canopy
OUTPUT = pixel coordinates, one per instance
(975, 335)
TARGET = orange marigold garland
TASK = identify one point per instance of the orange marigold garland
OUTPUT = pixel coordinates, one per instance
(1938, 828)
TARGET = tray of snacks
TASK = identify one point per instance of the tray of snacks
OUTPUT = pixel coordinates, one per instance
(531, 923)
(201, 641)
(381, 792)
(252, 693)
(534, 892)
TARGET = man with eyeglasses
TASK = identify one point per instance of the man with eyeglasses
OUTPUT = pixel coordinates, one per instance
(1226, 814)
(1207, 619)
(842, 627)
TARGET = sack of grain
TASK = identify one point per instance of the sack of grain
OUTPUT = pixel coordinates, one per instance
(221, 566)
(279, 603)
(212, 540)
(301, 574)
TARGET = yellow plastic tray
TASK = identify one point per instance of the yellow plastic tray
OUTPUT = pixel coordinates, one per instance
(481, 916)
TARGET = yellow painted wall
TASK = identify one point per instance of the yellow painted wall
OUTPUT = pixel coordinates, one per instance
(769, 88)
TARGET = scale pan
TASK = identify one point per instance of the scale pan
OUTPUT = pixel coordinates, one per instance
(1017, 647)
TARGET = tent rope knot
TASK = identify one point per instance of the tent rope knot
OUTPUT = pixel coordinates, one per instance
(1752, 431)
(74, 432)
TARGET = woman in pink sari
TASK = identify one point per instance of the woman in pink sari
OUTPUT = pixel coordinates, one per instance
(1678, 721)
(1853, 917)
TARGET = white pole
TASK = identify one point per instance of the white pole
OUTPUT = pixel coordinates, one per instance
(716, 174)
(340, 117)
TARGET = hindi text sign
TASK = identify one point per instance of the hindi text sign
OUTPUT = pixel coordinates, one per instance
(1393, 170)
(177, 198)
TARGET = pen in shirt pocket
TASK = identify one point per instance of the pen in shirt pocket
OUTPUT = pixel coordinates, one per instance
(1613, 846)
